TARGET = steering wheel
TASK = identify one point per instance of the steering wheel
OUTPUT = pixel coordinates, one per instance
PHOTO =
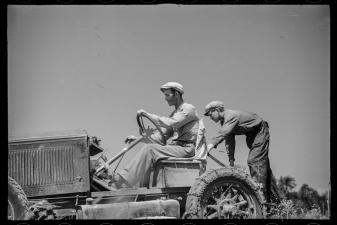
(155, 135)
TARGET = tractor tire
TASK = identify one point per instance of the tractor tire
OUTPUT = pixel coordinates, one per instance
(225, 193)
(17, 201)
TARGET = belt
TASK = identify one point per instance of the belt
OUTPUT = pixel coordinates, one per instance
(183, 143)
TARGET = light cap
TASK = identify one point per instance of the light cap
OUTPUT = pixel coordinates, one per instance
(213, 105)
(174, 85)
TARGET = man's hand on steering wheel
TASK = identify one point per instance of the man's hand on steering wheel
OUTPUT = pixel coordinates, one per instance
(153, 134)
(151, 116)
(131, 138)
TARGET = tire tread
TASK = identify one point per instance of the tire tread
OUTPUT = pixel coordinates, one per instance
(193, 201)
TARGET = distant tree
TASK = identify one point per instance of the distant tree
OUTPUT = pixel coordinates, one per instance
(305, 203)
(293, 195)
(285, 185)
(309, 196)
(299, 206)
(323, 202)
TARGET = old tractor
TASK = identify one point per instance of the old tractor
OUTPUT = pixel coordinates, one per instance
(51, 176)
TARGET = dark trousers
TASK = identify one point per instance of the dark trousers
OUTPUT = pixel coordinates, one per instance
(258, 161)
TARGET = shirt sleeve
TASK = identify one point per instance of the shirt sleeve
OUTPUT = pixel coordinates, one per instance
(179, 119)
(226, 130)
(167, 131)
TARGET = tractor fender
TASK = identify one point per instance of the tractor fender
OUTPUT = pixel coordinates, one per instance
(130, 210)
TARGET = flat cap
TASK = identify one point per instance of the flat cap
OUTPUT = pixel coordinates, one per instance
(213, 105)
(173, 85)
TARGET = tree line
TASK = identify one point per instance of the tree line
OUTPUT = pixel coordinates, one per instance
(304, 203)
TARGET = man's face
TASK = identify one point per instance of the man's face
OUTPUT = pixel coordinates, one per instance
(214, 115)
(170, 97)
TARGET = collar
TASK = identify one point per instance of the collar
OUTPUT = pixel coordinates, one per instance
(180, 106)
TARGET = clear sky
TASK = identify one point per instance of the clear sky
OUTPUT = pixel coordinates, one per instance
(93, 67)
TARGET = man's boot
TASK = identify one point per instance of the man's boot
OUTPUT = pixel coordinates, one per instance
(116, 181)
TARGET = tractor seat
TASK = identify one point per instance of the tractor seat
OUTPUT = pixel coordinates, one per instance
(184, 163)
(180, 172)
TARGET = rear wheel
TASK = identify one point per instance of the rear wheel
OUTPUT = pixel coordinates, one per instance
(17, 201)
(225, 193)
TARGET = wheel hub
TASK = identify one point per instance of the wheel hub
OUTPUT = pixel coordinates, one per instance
(228, 208)
(229, 204)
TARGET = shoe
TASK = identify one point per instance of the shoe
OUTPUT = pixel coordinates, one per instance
(116, 181)
(113, 186)
(103, 175)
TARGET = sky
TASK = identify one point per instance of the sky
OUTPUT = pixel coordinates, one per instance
(92, 67)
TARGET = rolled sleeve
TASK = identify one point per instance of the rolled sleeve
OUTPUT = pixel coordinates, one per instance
(178, 119)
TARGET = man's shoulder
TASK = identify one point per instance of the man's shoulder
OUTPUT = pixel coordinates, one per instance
(239, 113)
(187, 106)
(232, 112)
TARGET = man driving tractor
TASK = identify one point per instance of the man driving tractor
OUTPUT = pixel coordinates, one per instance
(183, 122)
(235, 122)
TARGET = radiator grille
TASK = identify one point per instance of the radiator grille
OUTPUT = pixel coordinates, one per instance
(35, 167)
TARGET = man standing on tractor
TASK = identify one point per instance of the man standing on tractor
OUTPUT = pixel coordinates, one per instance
(183, 121)
(235, 122)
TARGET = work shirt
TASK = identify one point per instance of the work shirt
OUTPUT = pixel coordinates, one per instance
(184, 121)
(235, 123)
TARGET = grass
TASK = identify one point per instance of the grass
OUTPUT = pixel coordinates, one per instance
(288, 210)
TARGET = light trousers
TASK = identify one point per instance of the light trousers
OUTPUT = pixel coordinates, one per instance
(139, 168)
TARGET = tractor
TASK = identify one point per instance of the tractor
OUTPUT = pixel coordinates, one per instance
(52, 176)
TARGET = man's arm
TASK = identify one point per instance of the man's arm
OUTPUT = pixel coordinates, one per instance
(178, 119)
(210, 147)
(226, 130)
(230, 148)
(153, 117)
(231, 161)
(167, 131)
